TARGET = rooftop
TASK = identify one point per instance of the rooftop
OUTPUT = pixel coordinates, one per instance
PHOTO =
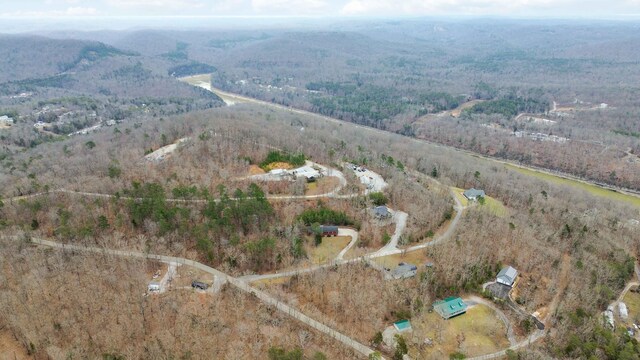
(450, 307)
(507, 275)
(381, 211)
(473, 193)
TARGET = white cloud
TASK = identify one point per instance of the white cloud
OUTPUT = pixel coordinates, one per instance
(81, 11)
(289, 7)
(166, 4)
(230, 6)
(74, 11)
(453, 7)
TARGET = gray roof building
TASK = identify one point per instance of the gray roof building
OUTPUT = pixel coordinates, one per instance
(404, 271)
(507, 276)
(324, 228)
(473, 194)
(381, 212)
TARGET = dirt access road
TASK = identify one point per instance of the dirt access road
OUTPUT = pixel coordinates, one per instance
(242, 285)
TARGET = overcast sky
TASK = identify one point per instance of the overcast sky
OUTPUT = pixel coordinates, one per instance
(322, 8)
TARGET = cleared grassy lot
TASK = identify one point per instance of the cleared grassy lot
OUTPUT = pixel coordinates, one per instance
(632, 300)
(417, 258)
(477, 332)
(592, 189)
(492, 205)
(328, 249)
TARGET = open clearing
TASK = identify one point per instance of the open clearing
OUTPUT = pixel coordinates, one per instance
(279, 165)
(458, 192)
(417, 258)
(164, 151)
(10, 348)
(322, 185)
(328, 249)
(204, 81)
(457, 111)
(494, 206)
(632, 300)
(592, 189)
(478, 332)
(255, 170)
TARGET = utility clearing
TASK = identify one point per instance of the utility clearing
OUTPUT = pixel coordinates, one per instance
(204, 81)
(592, 189)
(164, 151)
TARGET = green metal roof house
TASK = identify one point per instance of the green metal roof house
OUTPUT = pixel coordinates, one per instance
(450, 307)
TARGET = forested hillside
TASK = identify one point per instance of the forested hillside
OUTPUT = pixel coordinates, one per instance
(279, 220)
(62, 87)
(430, 78)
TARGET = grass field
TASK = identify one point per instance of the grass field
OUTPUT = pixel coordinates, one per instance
(417, 258)
(322, 186)
(494, 206)
(592, 189)
(491, 204)
(632, 300)
(479, 332)
(278, 165)
(459, 195)
(328, 249)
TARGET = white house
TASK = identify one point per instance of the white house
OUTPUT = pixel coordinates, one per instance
(307, 172)
(507, 276)
(622, 307)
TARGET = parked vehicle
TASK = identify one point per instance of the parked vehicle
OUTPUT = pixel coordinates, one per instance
(199, 285)
(153, 287)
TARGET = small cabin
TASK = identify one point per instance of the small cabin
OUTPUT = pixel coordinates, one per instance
(329, 230)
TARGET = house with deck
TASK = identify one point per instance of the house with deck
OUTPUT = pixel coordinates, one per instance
(450, 307)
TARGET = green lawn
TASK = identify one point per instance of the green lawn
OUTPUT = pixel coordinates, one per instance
(417, 258)
(491, 204)
(479, 331)
(632, 300)
(459, 195)
(592, 189)
(328, 249)
(494, 206)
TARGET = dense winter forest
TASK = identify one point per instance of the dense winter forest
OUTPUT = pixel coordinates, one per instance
(107, 148)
